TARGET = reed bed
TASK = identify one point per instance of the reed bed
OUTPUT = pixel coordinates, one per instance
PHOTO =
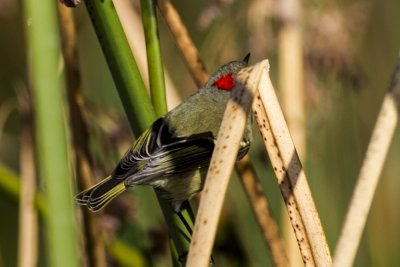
(330, 96)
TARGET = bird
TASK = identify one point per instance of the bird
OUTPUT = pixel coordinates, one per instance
(174, 153)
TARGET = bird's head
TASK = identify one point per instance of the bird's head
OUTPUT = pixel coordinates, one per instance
(224, 77)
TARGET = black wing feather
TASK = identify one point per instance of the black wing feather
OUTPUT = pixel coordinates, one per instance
(157, 152)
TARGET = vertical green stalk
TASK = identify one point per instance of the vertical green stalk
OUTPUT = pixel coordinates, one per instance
(154, 63)
(157, 89)
(48, 89)
(123, 67)
(137, 102)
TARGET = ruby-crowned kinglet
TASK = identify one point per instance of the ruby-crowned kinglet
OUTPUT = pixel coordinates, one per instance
(173, 155)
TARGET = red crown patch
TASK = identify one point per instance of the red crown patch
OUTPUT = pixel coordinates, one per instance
(225, 82)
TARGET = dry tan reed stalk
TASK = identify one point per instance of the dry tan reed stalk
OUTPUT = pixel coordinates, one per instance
(183, 41)
(93, 233)
(263, 212)
(370, 171)
(291, 71)
(291, 177)
(279, 169)
(290, 56)
(28, 219)
(291, 85)
(222, 161)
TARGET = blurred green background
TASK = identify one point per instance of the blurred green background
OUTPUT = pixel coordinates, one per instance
(350, 50)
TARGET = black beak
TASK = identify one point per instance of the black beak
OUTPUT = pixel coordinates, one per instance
(246, 58)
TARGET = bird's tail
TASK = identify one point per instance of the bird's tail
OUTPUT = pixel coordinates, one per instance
(100, 194)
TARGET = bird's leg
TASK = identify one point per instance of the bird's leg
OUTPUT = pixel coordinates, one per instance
(184, 254)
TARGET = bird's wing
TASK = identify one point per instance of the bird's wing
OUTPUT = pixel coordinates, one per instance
(157, 153)
(179, 157)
